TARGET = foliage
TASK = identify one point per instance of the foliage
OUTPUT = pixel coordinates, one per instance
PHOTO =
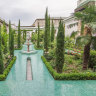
(60, 48)
(19, 35)
(24, 34)
(82, 28)
(12, 42)
(74, 34)
(1, 57)
(34, 37)
(87, 15)
(7, 70)
(83, 40)
(94, 42)
(38, 39)
(52, 32)
(92, 59)
(46, 42)
(49, 37)
(4, 38)
(10, 36)
(41, 35)
(69, 43)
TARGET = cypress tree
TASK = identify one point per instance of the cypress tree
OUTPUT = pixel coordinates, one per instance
(1, 57)
(19, 35)
(60, 48)
(23, 34)
(4, 37)
(49, 38)
(38, 39)
(46, 31)
(12, 42)
(10, 37)
(52, 32)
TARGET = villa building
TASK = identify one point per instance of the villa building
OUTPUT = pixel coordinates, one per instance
(71, 24)
(42, 23)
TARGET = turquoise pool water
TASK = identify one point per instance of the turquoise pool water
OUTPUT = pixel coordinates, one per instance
(43, 83)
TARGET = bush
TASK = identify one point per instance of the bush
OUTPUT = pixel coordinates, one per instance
(40, 48)
(7, 70)
(92, 59)
(69, 43)
(67, 76)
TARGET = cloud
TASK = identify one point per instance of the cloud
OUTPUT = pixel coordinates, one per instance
(29, 10)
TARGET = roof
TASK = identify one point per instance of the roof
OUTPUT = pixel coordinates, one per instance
(70, 17)
(25, 26)
(51, 18)
(54, 18)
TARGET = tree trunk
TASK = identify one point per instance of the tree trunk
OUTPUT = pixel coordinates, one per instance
(86, 54)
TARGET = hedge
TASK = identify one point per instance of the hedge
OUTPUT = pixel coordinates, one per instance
(69, 76)
(19, 48)
(7, 70)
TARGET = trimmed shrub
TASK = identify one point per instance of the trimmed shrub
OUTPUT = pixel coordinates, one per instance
(7, 70)
(69, 76)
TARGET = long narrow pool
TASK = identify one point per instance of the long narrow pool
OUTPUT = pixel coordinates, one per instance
(43, 83)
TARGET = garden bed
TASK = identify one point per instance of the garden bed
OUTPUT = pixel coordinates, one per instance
(69, 76)
(7, 70)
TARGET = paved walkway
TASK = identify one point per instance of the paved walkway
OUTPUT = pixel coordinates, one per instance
(29, 70)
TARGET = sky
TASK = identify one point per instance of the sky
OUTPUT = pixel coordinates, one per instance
(29, 10)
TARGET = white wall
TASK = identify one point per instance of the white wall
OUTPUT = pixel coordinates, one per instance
(69, 30)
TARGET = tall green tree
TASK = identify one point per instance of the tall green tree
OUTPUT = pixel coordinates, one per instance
(1, 57)
(49, 37)
(52, 32)
(88, 17)
(19, 35)
(4, 38)
(12, 43)
(60, 48)
(38, 39)
(24, 34)
(46, 31)
(10, 36)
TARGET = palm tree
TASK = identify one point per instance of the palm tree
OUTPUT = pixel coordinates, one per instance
(88, 17)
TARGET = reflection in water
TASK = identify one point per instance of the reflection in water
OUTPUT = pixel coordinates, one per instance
(43, 83)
